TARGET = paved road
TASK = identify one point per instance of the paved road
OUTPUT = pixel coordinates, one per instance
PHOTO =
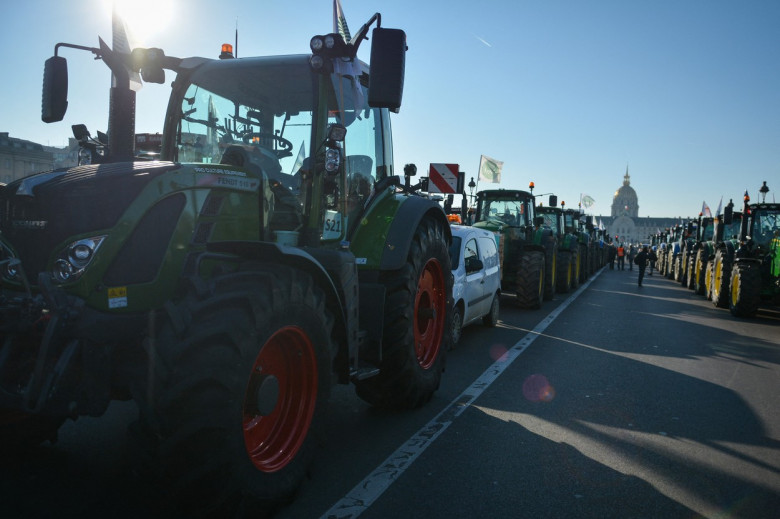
(619, 401)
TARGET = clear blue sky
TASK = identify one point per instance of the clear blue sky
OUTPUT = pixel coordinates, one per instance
(566, 93)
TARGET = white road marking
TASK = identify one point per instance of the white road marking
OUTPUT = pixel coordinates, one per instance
(365, 493)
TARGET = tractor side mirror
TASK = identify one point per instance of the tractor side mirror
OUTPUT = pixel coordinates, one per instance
(388, 62)
(553, 201)
(54, 98)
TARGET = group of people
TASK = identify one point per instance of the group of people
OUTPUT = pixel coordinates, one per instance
(639, 256)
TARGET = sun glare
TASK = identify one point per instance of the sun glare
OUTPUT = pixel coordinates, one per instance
(144, 18)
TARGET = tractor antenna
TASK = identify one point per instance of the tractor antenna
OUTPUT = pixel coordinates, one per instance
(236, 37)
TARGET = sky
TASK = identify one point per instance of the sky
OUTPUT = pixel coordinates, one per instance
(569, 94)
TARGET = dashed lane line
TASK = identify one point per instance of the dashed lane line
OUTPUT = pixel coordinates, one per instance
(365, 493)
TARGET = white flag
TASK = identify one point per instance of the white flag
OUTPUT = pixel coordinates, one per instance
(340, 21)
(705, 209)
(720, 206)
(587, 200)
(490, 169)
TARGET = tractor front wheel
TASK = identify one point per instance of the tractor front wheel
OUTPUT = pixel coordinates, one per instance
(745, 290)
(417, 323)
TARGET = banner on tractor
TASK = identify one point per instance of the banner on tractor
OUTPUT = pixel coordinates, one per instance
(443, 178)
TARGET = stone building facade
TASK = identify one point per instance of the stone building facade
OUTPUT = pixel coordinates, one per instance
(624, 223)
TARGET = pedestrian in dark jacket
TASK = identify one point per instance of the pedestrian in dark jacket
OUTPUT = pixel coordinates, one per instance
(641, 262)
(651, 256)
(611, 253)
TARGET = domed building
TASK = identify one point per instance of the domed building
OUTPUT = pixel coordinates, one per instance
(625, 201)
(624, 224)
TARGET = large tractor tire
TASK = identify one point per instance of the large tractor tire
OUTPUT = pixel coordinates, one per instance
(583, 264)
(575, 269)
(745, 290)
(240, 375)
(550, 270)
(530, 280)
(690, 275)
(721, 275)
(708, 277)
(564, 276)
(700, 272)
(417, 324)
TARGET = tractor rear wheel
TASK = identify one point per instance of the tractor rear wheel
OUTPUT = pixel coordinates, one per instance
(708, 277)
(700, 272)
(721, 274)
(240, 375)
(530, 280)
(417, 324)
(550, 266)
(564, 276)
(745, 290)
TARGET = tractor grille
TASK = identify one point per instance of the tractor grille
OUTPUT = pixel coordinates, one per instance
(39, 212)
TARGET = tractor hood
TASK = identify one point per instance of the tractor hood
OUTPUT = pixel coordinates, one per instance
(40, 211)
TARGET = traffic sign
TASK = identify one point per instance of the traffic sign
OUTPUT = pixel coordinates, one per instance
(443, 178)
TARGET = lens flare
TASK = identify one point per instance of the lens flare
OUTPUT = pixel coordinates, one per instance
(537, 388)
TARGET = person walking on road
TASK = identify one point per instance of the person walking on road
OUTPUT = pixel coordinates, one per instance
(641, 262)
(631, 256)
(611, 255)
(621, 257)
(652, 258)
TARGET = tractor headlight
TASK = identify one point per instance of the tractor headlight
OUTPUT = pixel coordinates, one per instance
(85, 157)
(332, 160)
(71, 262)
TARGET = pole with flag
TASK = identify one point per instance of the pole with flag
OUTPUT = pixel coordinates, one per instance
(720, 206)
(705, 209)
(490, 169)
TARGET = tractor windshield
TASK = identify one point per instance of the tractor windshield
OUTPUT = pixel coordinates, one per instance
(261, 110)
(766, 226)
(511, 212)
(551, 220)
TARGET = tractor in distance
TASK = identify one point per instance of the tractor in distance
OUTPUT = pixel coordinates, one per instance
(725, 243)
(521, 237)
(575, 224)
(269, 253)
(755, 275)
(567, 245)
(699, 252)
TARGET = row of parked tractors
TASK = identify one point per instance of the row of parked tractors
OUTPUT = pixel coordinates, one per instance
(543, 250)
(733, 259)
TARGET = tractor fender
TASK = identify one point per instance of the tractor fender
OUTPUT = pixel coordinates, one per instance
(401, 232)
(305, 260)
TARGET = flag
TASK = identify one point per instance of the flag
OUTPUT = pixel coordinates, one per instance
(121, 43)
(720, 206)
(586, 200)
(340, 21)
(601, 225)
(298, 160)
(705, 209)
(490, 169)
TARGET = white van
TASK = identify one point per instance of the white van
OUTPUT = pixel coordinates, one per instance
(477, 285)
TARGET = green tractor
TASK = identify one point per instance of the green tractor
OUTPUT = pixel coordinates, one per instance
(717, 278)
(567, 246)
(574, 222)
(699, 252)
(522, 242)
(755, 275)
(269, 253)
